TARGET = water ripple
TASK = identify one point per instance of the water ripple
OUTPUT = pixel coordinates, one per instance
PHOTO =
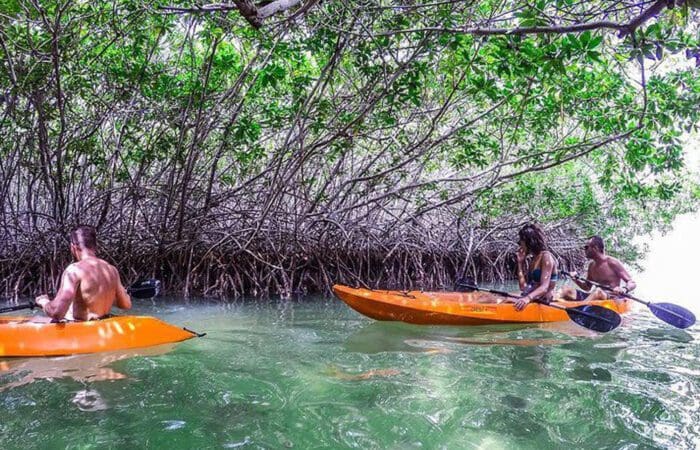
(317, 375)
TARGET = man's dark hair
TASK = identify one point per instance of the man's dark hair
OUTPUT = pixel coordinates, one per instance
(84, 237)
(597, 242)
(533, 237)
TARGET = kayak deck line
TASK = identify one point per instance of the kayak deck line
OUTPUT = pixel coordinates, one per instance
(455, 308)
(20, 336)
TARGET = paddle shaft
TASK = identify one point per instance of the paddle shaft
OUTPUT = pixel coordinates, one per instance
(624, 294)
(493, 291)
(508, 294)
(607, 288)
(32, 305)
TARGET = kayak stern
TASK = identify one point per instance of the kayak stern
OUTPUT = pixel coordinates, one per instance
(21, 337)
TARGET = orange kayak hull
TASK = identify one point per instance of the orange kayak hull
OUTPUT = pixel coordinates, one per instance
(19, 336)
(455, 308)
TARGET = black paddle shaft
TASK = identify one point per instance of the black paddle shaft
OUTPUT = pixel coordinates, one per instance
(493, 291)
(141, 289)
(604, 287)
(30, 305)
(593, 317)
(672, 314)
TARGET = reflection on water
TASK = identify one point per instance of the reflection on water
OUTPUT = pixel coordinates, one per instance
(376, 337)
(317, 375)
(666, 334)
(83, 368)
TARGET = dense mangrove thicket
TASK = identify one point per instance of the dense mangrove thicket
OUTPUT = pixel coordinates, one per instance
(284, 146)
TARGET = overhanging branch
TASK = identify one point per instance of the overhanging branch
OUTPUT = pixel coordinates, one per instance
(623, 28)
(250, 11)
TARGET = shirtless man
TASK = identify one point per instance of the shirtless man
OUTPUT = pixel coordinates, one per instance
(604, 270)
(90, 285)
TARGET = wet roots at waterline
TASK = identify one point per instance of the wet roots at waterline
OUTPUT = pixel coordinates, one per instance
(277, 268)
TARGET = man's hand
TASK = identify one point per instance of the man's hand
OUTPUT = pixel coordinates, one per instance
(619, 290)
(573, 274)
(522, 302)
(42, 301)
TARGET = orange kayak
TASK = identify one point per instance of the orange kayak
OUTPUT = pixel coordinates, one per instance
(19, 336)
(455, 308)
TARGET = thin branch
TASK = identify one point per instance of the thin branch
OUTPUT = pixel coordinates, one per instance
(623, 28)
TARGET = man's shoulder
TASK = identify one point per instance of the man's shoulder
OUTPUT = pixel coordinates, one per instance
(612, 260)
(73, 267)
(593, 264)
(86, 266)
(73, 272)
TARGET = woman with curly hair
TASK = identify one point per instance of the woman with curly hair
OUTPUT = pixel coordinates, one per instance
(537, 281)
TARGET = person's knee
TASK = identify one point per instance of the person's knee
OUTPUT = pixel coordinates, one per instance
(597, 294)
(567, 293)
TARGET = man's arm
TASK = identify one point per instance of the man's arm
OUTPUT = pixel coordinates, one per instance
(585, 285)
(123, 299)
(621, 272)
(58, 307)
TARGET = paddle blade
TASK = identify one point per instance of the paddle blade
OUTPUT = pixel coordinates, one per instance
(595, 317)
(672, 314)
(145, 289)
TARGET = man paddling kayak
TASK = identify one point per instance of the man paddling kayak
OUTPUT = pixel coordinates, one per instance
(90, 285)
(603, 269)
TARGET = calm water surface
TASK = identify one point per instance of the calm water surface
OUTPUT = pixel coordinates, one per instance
(315, 374)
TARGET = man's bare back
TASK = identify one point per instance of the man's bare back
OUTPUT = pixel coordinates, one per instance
(97, 289)
(89, 287)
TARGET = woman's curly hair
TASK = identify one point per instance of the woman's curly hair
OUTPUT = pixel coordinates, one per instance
(533, 237)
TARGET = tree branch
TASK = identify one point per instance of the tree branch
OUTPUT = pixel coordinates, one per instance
(250, 12)
(623, 28)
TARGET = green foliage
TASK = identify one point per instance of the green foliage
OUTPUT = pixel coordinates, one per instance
(552, 127)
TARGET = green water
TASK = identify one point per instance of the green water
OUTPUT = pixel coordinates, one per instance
(315, 374)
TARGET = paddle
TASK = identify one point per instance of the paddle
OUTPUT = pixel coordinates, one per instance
(142, 289)
(593, 317)
(670, 313)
